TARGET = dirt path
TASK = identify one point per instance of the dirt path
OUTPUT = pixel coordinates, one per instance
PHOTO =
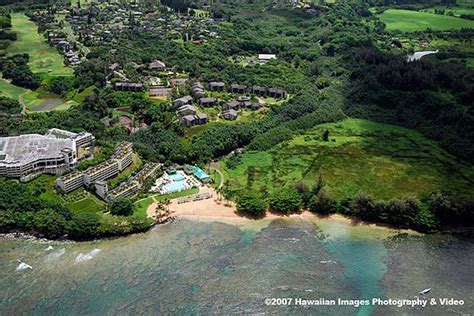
(22, 103)
(215, 166)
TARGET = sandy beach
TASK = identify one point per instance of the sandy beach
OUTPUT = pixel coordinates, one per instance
(219, 210)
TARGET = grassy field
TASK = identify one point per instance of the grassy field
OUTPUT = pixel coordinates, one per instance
(44, 59)
(10, 90)
(412, 21)
(385, 161)
(142, 205)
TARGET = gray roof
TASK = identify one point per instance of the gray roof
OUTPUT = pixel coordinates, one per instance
(30, 147)
(207, 100)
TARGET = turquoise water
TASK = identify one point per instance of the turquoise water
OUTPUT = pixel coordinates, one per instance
(175, 186)
(199, 268)
(177, 177)
(198, 172)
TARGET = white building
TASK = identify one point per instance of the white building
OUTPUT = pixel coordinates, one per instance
(27, 156)
(264, 58)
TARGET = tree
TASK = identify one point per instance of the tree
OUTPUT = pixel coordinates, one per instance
(121, 207)
(49, 223)
(322, 203)
(249, 202)
(326, 135)
(83, 225)
(286, 200)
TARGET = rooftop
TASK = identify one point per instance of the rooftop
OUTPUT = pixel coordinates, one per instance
(31, 147)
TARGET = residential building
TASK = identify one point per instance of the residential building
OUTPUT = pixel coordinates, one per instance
(230, 114)
(207, 102)
(276, 93)
(182, 101)
(186, 110)
(238, 88)
(126, 86)
(234, 105)
(216, 86)
(160, 91)
(191, 120)
(157, 65)
(260, 91)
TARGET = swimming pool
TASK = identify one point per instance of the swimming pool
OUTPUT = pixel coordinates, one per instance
(177, 176)
(198, 172)
(174, 187)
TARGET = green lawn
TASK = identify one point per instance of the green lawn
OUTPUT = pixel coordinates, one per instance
(412, 21)
(90, 204)
(44, 59)
(10, 90)
(385, 161)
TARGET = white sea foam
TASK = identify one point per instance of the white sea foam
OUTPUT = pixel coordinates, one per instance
(55, 255)
(49, 248)
(88, 256)
(23, 266)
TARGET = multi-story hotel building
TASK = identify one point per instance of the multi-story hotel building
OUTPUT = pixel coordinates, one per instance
(121, 159)
(135, 183)
(27, 156)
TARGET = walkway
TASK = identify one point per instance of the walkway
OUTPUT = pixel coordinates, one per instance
(215, 166)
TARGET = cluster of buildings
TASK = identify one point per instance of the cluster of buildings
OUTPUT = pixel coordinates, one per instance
(68, 48)
(120, 160)
(27, 156)
(189, 116)
(187, 113)
(131, 186)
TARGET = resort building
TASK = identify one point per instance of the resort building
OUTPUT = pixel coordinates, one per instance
(134, 184)
(70, 181)
(159, 91)
(126, 86)
(121, 159)
(106, 170)
(230, 115)
(207, 102)
(27, 156)
(276, 93)
(191, 120)
(186, 110)
(216, 86)
(238, 88)
(258, 90)
(232, 105)
(183, 101)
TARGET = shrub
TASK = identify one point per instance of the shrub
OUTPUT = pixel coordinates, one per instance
(286, 200)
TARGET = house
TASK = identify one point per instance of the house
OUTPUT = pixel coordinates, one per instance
(186, 110)
(232, 105)
(125, 121)
(256, 105)
(238, 88)
(230, 115)
(198, 93)
(264, 58)
(276, 93)
(125, 86)
(187, 120)
(197, 84)
(258, 90)
(201, 118)
(178, 81)
(157, 65)
(207, 102)
(114, 66)
(246, 104)
(182, 101)
(216, 86)
(191, 120)
(160, 91)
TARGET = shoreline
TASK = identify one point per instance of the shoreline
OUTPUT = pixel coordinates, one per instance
(216, 210)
